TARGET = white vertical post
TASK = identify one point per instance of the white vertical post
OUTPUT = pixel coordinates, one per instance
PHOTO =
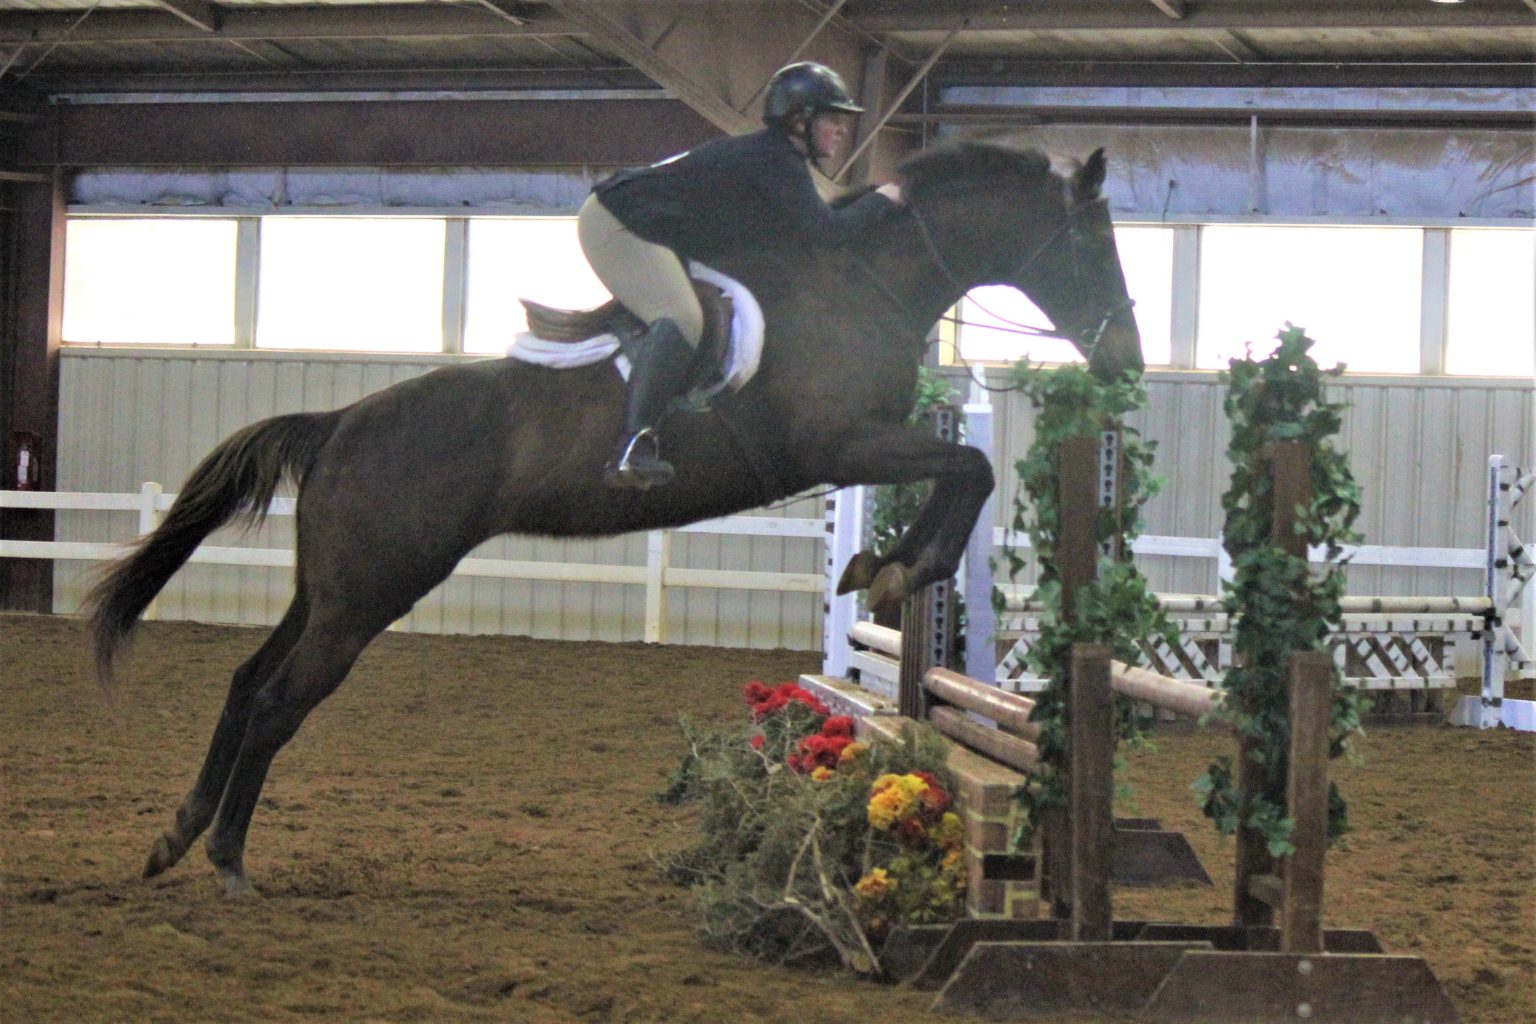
(845, 537)
(1493, 670)
(658, 551)
(980, 619)
(149, 518)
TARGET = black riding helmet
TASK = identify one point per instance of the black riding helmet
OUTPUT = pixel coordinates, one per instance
(806, 87)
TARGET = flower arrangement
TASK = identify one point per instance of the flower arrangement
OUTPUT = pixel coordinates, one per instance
(814, 845)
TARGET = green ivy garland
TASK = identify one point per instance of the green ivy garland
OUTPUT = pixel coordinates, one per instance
(1278, 604)
(1117, 608)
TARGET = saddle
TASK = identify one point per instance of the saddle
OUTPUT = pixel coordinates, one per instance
(577, 325)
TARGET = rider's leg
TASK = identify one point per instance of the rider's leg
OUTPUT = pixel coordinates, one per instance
(651, 283)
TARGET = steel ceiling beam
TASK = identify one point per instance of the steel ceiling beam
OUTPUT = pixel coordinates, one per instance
(616, 36)
(1227, 73)
(506, 10)
(1185, 117)
(200, 14)
(281, 24)
(388, 133)
(908, 16)
(332, 78)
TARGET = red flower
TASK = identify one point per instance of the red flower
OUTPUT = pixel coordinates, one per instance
(821, 751)
(838, 725)
(911, 833)
(757, 742)
(934, 800)
(755, 692)
(766, 702)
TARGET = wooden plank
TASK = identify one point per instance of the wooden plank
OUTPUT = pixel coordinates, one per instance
(1009, 710)
(1189, 699)
(1090, 719)
(1301, 919)
(1018, 754)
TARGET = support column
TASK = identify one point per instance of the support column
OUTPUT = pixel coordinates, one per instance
(34, 316)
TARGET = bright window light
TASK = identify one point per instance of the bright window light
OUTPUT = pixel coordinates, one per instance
(1491, 320)
(1354, 290)
(516, 258)
(149, 282)
(989, 313)
(353, 284)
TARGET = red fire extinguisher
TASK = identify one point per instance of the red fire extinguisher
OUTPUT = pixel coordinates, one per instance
(26, 469)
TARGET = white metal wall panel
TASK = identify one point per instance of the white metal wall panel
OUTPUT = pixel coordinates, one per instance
(1418, 449)
(128, 417)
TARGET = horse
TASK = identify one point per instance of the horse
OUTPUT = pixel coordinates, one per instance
(396, 488)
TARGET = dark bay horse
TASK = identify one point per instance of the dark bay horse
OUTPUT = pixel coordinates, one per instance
(395, 489)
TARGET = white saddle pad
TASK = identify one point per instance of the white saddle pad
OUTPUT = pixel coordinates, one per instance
(743, 352)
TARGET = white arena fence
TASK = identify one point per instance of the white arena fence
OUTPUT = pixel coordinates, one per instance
(1385, 643)
(656, 575)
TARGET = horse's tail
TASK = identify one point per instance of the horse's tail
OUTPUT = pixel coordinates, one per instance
(235, 482)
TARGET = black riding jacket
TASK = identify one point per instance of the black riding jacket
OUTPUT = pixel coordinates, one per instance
(739, 192)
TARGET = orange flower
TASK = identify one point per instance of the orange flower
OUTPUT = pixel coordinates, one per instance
(874, 885)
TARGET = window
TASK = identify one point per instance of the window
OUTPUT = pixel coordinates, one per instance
(990, 314)
(1354, 290)
(517, 258)
(1491, 307)
(149, 281)
(351, 283)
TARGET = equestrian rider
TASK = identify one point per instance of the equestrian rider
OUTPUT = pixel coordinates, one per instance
(741, 192)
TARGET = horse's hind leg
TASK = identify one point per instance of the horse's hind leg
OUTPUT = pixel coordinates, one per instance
(319, 660)
(200, 804)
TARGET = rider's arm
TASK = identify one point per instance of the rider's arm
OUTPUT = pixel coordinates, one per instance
(786, 183)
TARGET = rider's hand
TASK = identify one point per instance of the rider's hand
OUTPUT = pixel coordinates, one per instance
(891, 191)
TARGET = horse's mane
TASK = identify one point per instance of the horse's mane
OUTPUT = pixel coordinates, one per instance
(970, 160)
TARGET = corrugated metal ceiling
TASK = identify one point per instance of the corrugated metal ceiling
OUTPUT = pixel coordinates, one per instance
(61, 45)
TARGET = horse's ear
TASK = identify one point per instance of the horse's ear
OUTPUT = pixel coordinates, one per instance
(1089, 177)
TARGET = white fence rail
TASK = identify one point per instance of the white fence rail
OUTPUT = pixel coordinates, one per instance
(656, 575)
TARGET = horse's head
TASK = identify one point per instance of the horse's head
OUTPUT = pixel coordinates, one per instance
(1046, 235)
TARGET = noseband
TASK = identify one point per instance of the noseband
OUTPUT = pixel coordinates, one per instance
(1085, 337)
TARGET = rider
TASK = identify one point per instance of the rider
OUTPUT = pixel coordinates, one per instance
(749, 192)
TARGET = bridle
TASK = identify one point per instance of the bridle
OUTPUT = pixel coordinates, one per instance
(1086, 336)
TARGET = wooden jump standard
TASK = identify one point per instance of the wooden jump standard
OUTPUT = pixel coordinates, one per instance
(1085, 961)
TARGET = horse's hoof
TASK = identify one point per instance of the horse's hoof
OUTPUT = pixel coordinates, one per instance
(237, 886)
(161, 857)
(859, 573)
(891, 586)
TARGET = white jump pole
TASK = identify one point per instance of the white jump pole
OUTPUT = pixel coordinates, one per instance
(1493, 675)
(980, 619)
(846, 524)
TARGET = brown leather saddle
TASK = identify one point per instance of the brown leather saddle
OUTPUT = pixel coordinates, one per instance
(574, 325)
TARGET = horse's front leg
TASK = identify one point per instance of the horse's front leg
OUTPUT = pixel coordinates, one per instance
(931, 548)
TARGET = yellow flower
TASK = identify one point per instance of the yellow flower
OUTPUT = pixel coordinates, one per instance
(893, 798)
(852, 751)
(949, 833)
(953, 863)
(874, 885)
(821, 774)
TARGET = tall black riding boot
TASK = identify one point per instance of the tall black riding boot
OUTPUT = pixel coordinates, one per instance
(658, 375)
